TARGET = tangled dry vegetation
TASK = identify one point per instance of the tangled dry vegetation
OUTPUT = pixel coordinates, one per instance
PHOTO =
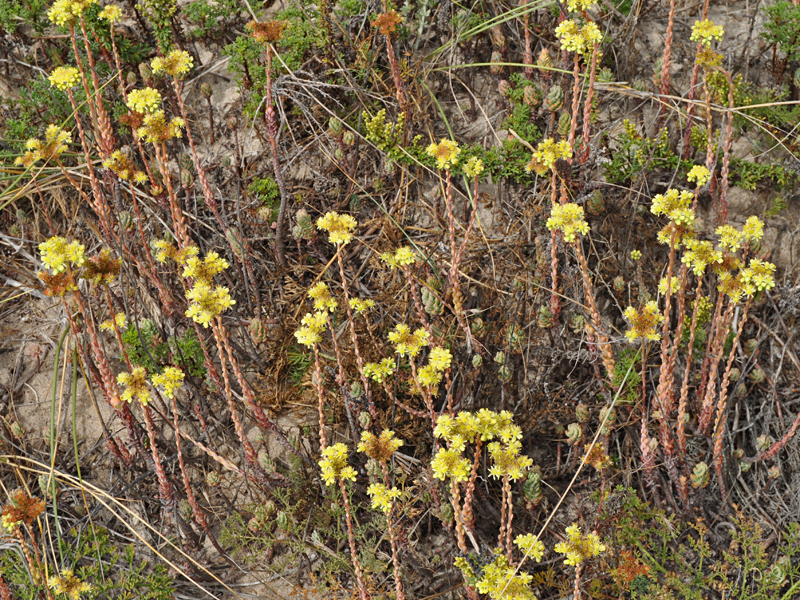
(403, 300)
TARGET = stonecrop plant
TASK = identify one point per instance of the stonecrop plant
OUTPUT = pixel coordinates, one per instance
(390, 300)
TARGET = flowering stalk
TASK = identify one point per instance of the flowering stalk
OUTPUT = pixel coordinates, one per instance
(665, 62)
(681, 426)
(726, 151)
(576, 90)
(387, 24)
(353, 336)
(719, 424)
(587, 106)
(362, 588)
(165, 490)
(716, 356)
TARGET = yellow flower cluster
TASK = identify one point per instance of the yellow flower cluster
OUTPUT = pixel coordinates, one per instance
(311, 331)
(321, 295)
(466, 428)
(123, 166)
(66, 12)
(339, 227)
(334, 465)
(111, 13)
(531, 546)
(568, 218)
(145, 100)
(170, 379)
(644, 322)
(68, 584)
(736, 286)
(381, 447)
(135, 385)
(177, 63)
(445, 152)
(473, 167)
(579, 547)
(547, 153)
(64, 78)
(156, 129)
(119, 319)
(700, 254)
(672, 282)
(382, 497)
(507, 460)
(706, 32)
(438, 362)
(54, 145)
(204, 270)
(575, 6)
(207, 303)
(57, 254)
(699, 174)
(730, 238)
(406, 342)
(361, 306)
(575, 38)
(671, 203)
(449, 462)
(401, 257)
(499, 580)
(164, 250)
(636, 255)
(379, 371)
(760, 275)
(753, 229)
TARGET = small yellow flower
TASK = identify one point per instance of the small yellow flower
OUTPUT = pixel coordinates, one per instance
(140, 177)
(164, 250)
(548, 152)
(530, 546)
(204, 270)
(673, 284)
(57, 254)
(334, 465)
(429, 376)
(706, 32)
(673, 200)
(381, 447)
(580, 40)
(119, 319)
(206, 303)
(111, 13)
(753, 229)
(445, 152)
(568, 218)
(64, 78)
(401, 257)
(578, 547)
(636, 255)
(759, 274)
(177, 63)
(170, 379)
(700, 254)
(361, 306)
(735, 287)
(156, 129)
(699, 174)
(308, 336)
(145, 100)
(382, 497)
(67, 583)
(321, 295)
(135, 385)
(339, 227)
(406, 342)
(644, 323)
(507, 461)
(449, 463)
(575, 6)
(440, 359)
(730, 238)
(66, 12)
(379, 371)
(54, 145)
(473, 167)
